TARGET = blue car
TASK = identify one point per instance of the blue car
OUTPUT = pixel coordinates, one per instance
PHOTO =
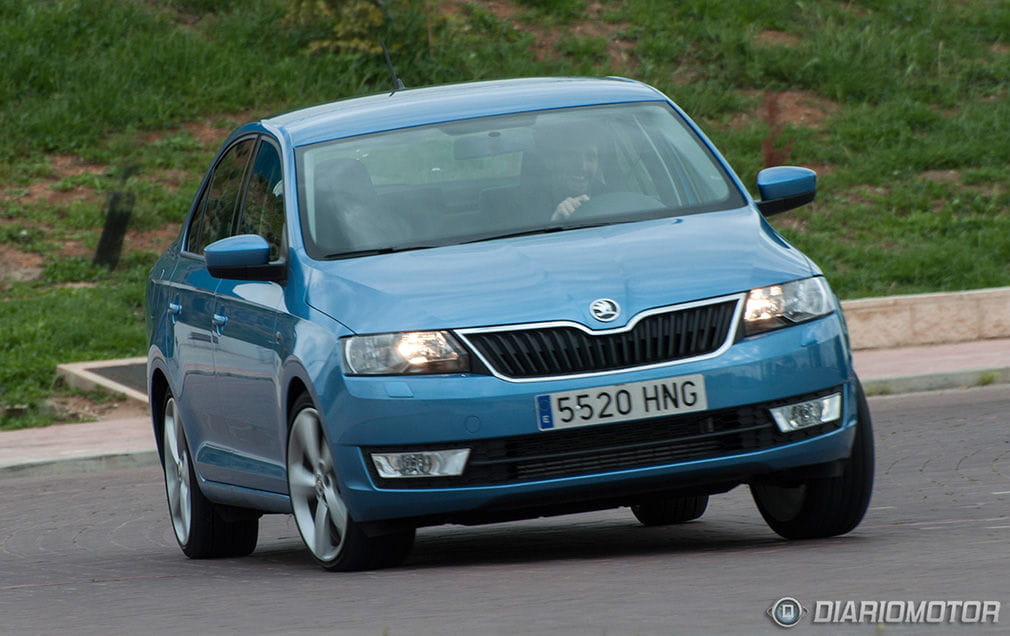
(487, 302)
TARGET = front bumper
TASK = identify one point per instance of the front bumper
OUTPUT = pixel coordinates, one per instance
(515, 467)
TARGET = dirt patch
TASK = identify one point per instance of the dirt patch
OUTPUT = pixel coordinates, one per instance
(44, 190)
(795, 108)
(820, 168)
(151, 240)
(172, 179)
(71, 166)
(83, 408)
(504, 11)
(54, 190)
(209, 132)
(546, 38)
(953, 177)
(619, 49)
(862, 195)
(18, 266)
(596, 26)
(790, 223)
(73, 248)
(942, 176)
(778, 38)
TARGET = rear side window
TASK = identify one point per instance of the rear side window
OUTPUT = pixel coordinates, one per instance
(215, 213)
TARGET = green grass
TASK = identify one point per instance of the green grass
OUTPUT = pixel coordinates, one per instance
(45, 323)
(912, 147)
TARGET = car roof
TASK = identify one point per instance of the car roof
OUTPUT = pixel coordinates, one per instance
(415, 107)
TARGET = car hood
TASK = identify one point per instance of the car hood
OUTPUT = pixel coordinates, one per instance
(556, 276)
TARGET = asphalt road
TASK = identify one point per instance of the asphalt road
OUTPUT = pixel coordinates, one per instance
(94, 553)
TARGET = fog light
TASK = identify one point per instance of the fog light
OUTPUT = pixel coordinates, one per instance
(439, 463)
(793, 417)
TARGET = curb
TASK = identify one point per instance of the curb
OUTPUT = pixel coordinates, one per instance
(83, 376)
(75, 465)
(936, 381)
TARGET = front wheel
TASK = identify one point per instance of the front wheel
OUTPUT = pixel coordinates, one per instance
(200, 528)
(334, 539)
(824, 507)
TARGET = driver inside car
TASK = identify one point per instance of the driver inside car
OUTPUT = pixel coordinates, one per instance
(577, 179)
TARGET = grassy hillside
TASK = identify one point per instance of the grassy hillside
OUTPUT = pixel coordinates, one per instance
(900, 105)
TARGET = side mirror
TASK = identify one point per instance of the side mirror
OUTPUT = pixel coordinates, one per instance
(784, 188)
(243, 257)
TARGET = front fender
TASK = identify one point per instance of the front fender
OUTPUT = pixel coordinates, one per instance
(314, 365)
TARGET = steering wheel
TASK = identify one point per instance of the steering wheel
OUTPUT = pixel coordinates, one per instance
(616, 203)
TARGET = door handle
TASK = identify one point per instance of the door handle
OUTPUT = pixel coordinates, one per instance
(218, 321)
(174, 309)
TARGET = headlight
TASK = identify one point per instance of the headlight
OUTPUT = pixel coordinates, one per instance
(405, 353)
(787, 304)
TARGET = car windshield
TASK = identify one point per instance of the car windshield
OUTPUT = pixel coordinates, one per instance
(491, 177)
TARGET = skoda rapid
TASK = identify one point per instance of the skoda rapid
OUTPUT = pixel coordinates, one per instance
(493, 301)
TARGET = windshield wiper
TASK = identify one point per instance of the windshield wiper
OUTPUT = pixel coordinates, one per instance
(540, 230)
(375, 251)
(486, 237)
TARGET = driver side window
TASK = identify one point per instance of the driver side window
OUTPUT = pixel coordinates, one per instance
(263, 209)
(215, 213)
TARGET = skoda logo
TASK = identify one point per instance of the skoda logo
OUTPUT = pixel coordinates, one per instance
(605, 309)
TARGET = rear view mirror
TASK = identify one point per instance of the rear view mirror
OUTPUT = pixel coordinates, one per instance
(242, 257)
(784, 188)
(494, 143)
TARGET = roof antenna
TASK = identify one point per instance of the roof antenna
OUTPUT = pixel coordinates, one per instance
(397, 84)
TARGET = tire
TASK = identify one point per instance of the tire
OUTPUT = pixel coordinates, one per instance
(335, 540)
(665, 512)
(824, 507)
(198, 524)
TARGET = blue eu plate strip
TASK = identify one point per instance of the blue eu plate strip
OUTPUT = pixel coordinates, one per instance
(545, 419)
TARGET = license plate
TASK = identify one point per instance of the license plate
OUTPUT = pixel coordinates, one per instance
(621, 402)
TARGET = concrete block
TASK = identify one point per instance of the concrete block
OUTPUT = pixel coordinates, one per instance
(881, 326)
(994, 315)
(923, 319)
(942, 319)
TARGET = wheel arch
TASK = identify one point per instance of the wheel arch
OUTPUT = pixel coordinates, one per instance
(297, 382)
(296, 388)
(158, 388)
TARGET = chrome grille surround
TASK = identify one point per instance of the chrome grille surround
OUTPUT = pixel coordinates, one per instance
(475, 340)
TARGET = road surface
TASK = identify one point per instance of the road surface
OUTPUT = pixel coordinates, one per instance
(94, 553)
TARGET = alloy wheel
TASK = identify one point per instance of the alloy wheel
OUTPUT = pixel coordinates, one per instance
(318, 508)
(177, 473)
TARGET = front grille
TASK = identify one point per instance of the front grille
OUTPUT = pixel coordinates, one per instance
(608, 447)
(562, 350)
